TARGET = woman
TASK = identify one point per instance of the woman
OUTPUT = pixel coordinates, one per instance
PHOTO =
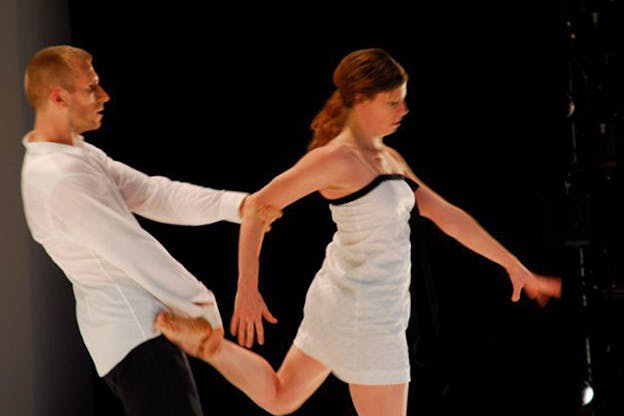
(357, 307)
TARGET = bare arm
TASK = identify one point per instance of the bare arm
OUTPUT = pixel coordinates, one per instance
(458, 224)
(317, 170)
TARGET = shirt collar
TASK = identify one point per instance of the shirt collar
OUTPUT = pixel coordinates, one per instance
(51, 147)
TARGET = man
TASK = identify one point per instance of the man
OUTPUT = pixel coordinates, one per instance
(79, 205)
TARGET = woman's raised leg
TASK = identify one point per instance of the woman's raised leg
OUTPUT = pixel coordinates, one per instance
(279, 393)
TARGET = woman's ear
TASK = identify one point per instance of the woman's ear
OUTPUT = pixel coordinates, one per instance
(359, 98)
(362, 99)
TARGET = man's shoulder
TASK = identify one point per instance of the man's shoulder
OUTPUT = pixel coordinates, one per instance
(57, 163)
(48, 169)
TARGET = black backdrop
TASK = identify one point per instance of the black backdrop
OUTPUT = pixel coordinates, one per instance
(223, 98)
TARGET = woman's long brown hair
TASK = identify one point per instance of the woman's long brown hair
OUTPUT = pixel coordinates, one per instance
(365, 72)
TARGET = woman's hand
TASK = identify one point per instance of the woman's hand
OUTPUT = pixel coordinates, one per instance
(249, 310)
(537, 287)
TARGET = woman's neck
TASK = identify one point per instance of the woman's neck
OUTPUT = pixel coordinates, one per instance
(361, 139)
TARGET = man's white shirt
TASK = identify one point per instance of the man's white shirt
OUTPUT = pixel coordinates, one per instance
(79, 205)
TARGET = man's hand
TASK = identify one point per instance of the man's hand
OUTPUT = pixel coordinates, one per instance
(266, 213)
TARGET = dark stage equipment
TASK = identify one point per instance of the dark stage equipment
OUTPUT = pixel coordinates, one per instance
(585, 220)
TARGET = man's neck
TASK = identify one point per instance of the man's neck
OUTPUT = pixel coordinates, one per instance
(46, 130)
(35, 136)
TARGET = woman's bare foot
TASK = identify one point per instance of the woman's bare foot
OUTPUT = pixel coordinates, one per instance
(190, 334)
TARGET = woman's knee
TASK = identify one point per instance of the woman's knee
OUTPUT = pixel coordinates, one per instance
(282, 404)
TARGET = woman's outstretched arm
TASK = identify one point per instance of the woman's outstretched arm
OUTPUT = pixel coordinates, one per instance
(465, 229)
(458, 224)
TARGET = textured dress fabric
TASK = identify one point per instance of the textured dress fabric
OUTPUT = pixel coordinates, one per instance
(358, 305)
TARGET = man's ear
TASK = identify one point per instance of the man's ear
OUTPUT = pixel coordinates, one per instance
(58, 97)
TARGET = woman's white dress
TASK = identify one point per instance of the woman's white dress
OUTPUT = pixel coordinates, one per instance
(358, 305)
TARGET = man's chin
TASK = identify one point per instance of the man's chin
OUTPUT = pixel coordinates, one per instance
(96, 125)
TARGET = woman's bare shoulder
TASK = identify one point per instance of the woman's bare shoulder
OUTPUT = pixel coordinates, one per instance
(333, 153)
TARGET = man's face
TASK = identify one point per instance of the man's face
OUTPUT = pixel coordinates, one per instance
(86, 101)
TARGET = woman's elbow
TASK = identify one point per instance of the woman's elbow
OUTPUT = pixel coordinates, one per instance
(258, 208)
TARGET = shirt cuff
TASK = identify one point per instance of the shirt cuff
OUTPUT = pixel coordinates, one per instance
(212, 315)
(229, 209)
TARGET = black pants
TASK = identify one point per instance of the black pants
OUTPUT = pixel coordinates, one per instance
(155, 379)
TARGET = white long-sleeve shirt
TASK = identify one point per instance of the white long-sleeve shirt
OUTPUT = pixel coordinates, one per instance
(79, 206)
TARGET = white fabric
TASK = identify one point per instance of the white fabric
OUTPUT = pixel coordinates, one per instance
(79, 206)
(358, 305)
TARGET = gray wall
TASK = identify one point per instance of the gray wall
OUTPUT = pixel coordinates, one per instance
(44, 368)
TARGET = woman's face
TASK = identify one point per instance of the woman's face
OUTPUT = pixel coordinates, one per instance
(383, 113)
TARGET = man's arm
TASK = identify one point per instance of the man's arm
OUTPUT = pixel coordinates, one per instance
(164, 200)
(90, 212)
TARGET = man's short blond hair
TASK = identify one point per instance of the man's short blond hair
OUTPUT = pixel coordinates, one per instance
(52, 67)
